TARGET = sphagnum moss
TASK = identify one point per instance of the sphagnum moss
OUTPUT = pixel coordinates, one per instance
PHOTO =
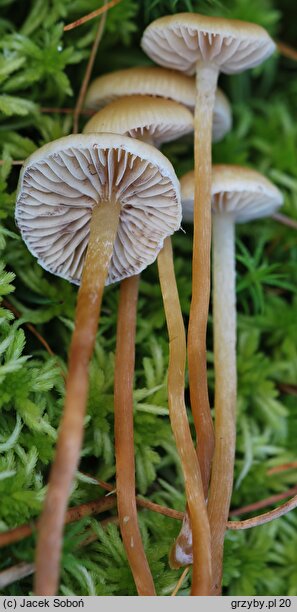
(261, 561)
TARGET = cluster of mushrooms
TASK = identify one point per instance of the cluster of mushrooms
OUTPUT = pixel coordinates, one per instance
(97, 208)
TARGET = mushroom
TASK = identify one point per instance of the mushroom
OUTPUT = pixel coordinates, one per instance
(159, 82)
(158, 120)
(152, 120)
(94, 209)
(238, 195)
(194, 43)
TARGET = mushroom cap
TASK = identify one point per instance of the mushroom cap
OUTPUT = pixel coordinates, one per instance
(61, 183)
(159, 82)
(222, 116)
(239, 192)
(142, 81)
(144, 117)
(180, 41)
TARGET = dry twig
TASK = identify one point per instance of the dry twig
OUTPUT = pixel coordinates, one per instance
(89, 68)
(266, 517)
(180, 581)
(292, 465)
(287, 51)
(268, 501)
(16, 573)
(73, 514)
(285, 220)
(97, 13)
(32, 329)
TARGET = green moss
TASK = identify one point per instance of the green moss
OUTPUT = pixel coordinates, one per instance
(42, 67)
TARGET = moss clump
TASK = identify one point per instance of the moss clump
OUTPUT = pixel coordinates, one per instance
(40, 67)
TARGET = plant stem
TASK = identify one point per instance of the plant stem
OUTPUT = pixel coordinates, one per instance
(180, 426)
(285, 220)
(261, 519)
(268, 501)
(124, 437)
(103, 228)
(73, 514)
(76, 512)
(224, 325)
(287, 50)
(32, 329)
(206, 81)
(16, 573)
(180, 582)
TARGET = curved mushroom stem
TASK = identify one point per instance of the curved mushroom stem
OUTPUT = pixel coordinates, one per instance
(206, 82)
(104, 223)
(224, 325)
(124, 439)
(180, 426)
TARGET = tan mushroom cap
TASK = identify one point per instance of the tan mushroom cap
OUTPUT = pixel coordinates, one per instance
(161, 83)
(240, 192)
(180, 41)
(61, 183)
(155, 119)
(142, 81)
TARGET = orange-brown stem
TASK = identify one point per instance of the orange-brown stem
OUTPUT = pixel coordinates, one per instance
(124, 437)
(104, 223)
(179, 422)
(206, 82)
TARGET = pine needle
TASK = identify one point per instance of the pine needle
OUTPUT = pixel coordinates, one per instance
(91, 15)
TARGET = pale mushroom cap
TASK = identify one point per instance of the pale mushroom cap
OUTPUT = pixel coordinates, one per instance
(242, 193)
(222, 116)
(60, 184)
(155, 119)
(142, 81)
(161, 83)
(180, 41)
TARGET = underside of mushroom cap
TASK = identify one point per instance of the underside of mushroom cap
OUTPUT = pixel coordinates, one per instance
(239, 192)
(61, 183)
(243, 193)
(180, 41)
(156, 119)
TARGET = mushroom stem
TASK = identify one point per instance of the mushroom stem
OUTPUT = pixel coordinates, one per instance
(124, 438)
(206, 82)
(179, 422)
(103, 228)
(224, 326)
